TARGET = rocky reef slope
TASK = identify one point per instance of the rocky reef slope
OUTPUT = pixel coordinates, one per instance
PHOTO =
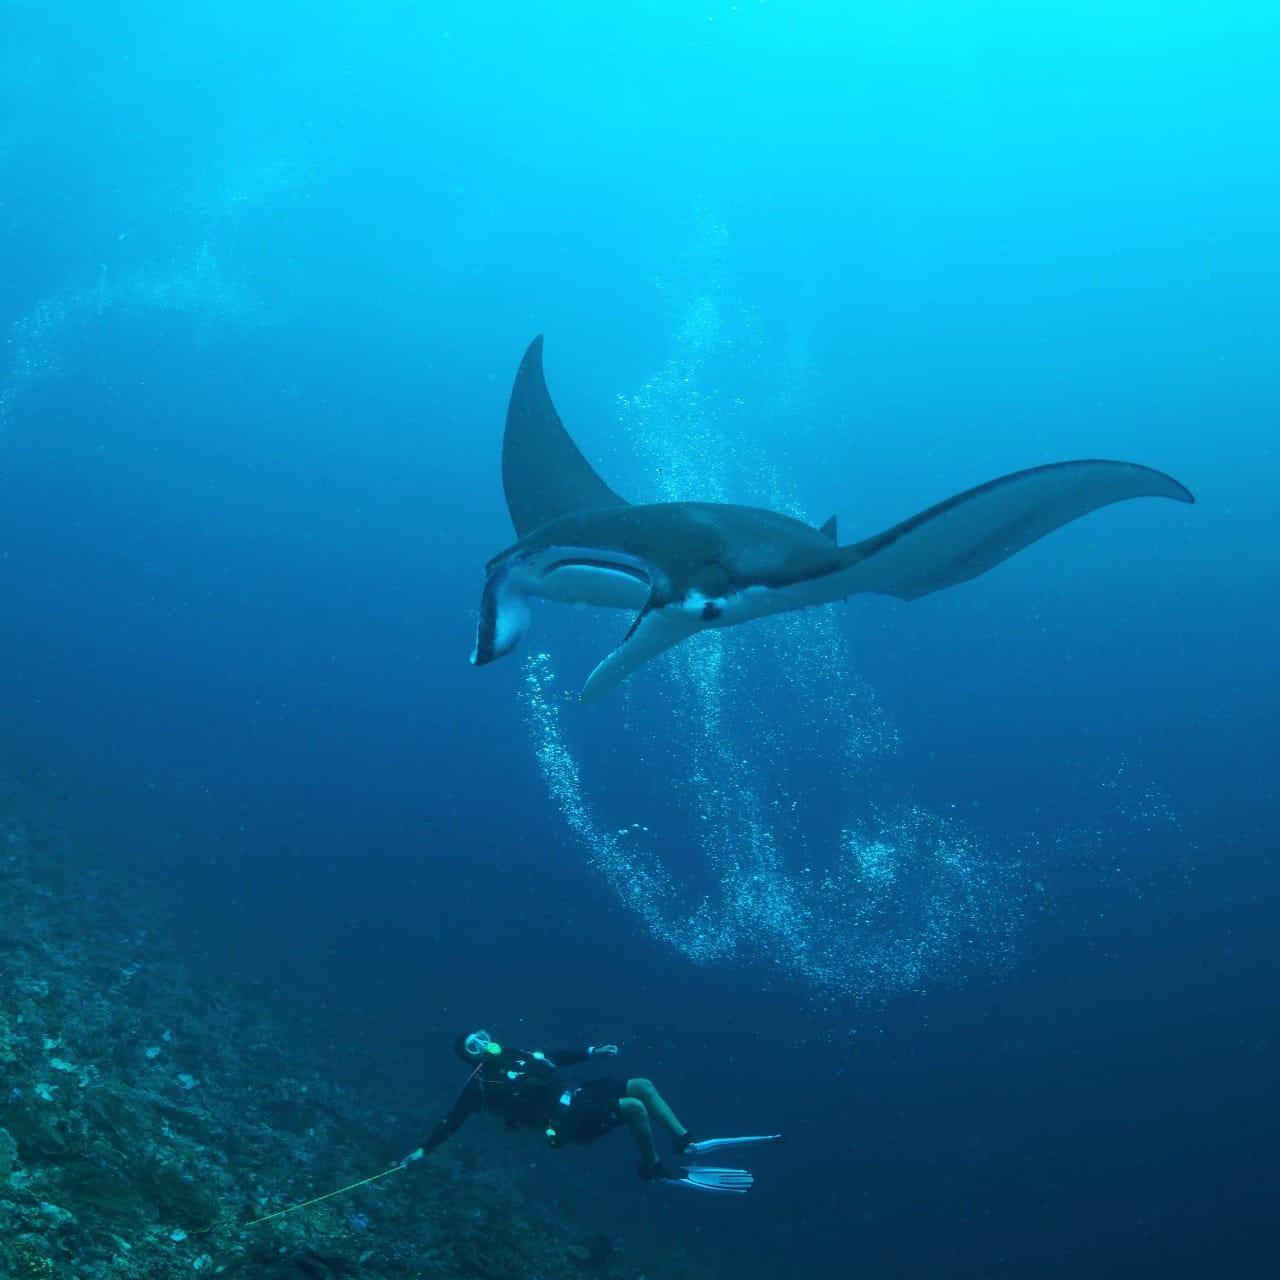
(151, 1104)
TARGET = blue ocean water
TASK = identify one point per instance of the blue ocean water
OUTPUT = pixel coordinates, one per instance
(974, 897)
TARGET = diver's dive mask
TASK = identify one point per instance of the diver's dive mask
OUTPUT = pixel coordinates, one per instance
(478, 1043)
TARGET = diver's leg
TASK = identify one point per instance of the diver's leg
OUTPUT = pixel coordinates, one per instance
(655, 1105)
(636, 1117)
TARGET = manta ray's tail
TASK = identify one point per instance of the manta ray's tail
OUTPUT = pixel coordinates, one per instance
(966, 535)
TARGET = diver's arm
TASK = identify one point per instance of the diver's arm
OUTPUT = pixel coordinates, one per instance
(468, 1103)
(572, 1057)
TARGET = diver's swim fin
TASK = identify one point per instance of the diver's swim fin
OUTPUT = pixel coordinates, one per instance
(701, 1147)
(701, 1178)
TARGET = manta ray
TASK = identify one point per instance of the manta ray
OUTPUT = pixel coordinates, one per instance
(685, 566)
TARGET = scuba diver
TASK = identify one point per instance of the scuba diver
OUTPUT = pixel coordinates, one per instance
(525, 1089)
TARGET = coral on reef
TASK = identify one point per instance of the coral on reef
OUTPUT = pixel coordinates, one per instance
(25, 1259)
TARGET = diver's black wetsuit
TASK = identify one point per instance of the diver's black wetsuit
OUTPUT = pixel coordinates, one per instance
(523, 1087)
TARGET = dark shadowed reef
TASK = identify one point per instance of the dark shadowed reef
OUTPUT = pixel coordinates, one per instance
(155, 1099)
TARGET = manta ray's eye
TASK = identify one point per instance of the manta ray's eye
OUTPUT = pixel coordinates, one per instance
(711, 610)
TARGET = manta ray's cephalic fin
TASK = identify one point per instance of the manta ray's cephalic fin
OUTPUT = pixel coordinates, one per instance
(974, 531)
(544, 473)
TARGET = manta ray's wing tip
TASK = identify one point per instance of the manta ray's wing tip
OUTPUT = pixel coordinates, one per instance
(1136, 481)
(1144, 482)
(531, 361)
(1177, 490)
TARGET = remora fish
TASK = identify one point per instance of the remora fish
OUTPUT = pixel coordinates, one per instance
(684, 566)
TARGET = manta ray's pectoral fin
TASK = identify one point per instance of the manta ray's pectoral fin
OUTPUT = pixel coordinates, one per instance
(544, 474)
(658, 626)
(966, 535)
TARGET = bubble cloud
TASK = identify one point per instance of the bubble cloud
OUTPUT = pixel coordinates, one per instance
(774, 835)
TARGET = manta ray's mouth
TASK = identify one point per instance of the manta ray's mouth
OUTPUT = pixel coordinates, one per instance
(565, 574)
(605, 566)
(588, 576)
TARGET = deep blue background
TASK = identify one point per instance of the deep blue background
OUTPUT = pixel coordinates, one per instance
(266, 273)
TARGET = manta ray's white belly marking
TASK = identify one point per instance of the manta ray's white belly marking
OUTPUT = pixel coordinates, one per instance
(758, 602)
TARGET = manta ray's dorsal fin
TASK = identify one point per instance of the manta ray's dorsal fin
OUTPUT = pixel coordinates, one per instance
(830, 530)
(544, 473)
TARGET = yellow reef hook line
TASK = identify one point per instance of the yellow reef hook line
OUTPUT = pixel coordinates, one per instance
(280, 1213)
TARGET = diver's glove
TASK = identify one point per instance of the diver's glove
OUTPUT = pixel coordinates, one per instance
(413, 1156)
(602, 1051)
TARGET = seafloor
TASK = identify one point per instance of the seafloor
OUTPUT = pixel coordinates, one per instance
(149, 1093)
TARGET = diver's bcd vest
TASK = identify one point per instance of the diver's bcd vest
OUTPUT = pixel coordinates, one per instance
(515, 1076)
(526, 1090)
